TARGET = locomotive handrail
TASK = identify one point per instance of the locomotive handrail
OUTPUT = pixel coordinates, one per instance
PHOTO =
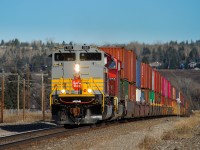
(52, 93)
(102, 95)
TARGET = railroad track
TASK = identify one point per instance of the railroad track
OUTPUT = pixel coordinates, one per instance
(22, 139)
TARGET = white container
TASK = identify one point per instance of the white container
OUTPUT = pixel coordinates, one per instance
(138, 95)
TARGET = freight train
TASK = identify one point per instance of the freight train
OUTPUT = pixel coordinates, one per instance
(92, 84)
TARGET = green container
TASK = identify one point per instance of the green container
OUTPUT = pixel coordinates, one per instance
(121, 92)
(151, 96)
(124, 89)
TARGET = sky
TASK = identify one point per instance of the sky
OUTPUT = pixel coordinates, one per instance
(100, 21)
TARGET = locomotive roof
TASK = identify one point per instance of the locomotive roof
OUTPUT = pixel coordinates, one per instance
(73, 48)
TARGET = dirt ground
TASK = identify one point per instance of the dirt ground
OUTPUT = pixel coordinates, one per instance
(170, 133)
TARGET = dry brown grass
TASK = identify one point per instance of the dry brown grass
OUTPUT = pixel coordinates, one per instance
(29, 117)
(147, 142)
(183, 128)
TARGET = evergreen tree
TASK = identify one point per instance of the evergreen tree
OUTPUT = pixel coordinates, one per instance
(154, 56)
(10, 92)
(2, 42)
(193, 55)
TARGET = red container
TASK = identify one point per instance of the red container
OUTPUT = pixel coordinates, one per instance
(186, 104)
(163, 86)
(130, 66)
(147, 70)
(169, 90)
(156, 81)
(173, 93)
(182, 99)
(128, 59)
(150, 77)
(153, 80)
(132, 92)
(166, 88)
(143, 75)
(159, 83)
(118, 53)
(162, 100)
(169, 102)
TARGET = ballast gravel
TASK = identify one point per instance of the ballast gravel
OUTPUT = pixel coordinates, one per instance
(125, 136)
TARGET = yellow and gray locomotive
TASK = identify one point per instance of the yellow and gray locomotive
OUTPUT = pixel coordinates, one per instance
(81, 92)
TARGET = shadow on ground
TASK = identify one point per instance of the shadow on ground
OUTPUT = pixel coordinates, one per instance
(27, 127)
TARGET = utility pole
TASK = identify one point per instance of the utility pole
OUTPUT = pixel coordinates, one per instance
(43, 95)
(42, 102)
(24, 96)
(43, 98)
(28, 87)
(18, 94)
(2, 99)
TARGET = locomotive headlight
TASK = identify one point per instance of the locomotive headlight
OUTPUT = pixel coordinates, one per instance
(63, 91)
(89, 90)
(77, 68)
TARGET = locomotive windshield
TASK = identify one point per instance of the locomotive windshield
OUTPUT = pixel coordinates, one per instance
(64, 57)
(90, 56)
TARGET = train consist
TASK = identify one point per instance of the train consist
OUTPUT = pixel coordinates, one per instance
(92, 84)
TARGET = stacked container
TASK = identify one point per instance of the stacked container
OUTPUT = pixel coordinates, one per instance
(138, 81)
(128, 69)
(138, 74)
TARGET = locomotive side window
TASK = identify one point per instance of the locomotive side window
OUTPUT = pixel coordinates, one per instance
(90, 56)
(64, 57)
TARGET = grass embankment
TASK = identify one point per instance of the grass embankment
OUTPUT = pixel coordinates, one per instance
(182, 129)
(27, 117)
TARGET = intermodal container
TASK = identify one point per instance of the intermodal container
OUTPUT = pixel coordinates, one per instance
(118, 53)
(153, 80)
(169, 90)
(177, 95)
(150, 77)
(132, 92)
(157, 98)
(163, 100)
(182, 99)
(166, 88)
(138, 74)
(173, 93)
(152, 97)
(125, 87)
(130, 66)
(147, 73)
(143, 75)
(145, 95)
(138, 95)
(159, 83)
(163, 86)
